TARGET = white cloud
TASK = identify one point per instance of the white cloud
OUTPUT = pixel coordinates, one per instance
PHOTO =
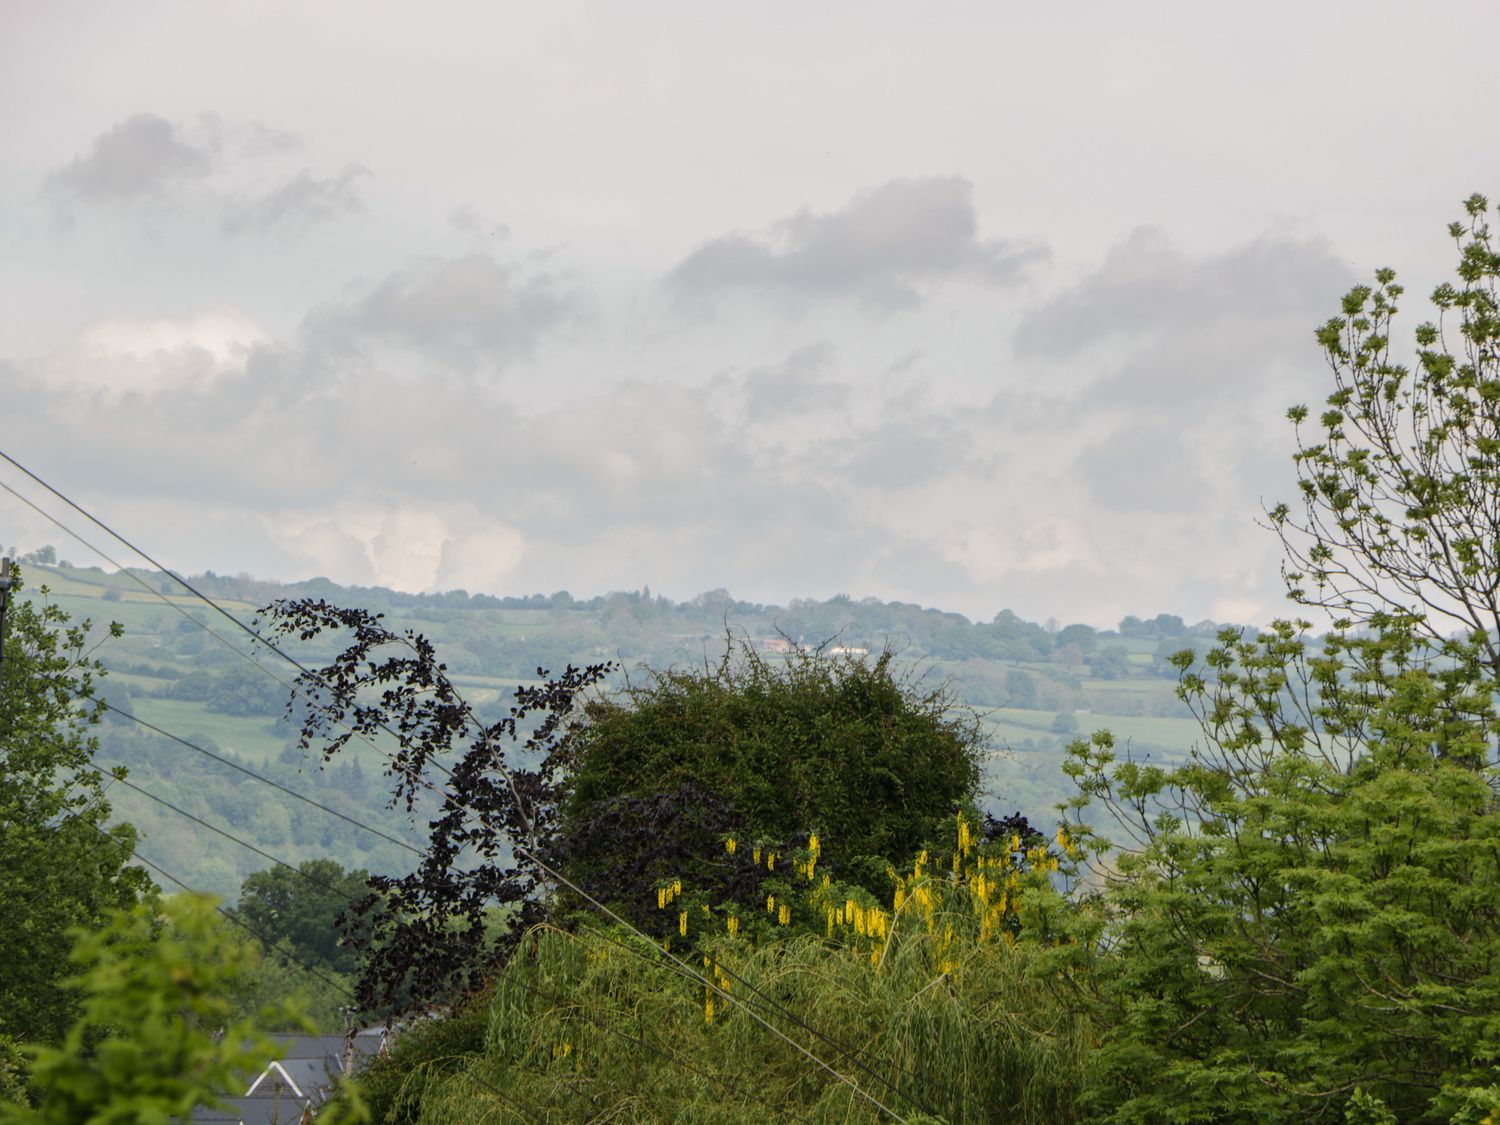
(149, 356)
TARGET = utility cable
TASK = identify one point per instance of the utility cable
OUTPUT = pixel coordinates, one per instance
(213, 828)
(290, 792)
(517, 848)
(660, 1049)
(335, 984)
(183, 582)
(199, 623)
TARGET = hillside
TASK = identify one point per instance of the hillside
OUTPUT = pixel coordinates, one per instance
(176, 667)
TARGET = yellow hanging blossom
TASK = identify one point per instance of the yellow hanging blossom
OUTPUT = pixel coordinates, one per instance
(784, 914)
(770, 904)
(682, 923)
(730, 844)
(755, 855)
(733, 925)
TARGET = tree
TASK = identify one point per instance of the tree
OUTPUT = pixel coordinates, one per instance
(297, 910)
(1400, 495)
(154, 1040)
(489, 791)
(1303, 922)
(60, 866)
(769, 752)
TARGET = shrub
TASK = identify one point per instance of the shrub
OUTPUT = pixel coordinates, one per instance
(768, 752)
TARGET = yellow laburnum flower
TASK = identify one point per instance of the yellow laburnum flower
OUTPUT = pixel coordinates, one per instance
(708, 1008)
(784, 914)
(730, 844)
(755, 855)
(813, 845)
(770, 904)
(770, 861)
(661, 898)
(682, 923)
(676, 887)
(733, 925)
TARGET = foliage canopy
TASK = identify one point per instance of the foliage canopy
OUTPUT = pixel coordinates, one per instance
(768, 751)
(1304, 920)
(59, 865)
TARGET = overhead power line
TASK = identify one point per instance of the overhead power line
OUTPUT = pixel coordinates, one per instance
(339, 986)
(517, 848)
(290, 792)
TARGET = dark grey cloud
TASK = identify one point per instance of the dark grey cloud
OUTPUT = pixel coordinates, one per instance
(139, 160)
(299, 203)
(1147, 287)
(883, 248)
(472, 311)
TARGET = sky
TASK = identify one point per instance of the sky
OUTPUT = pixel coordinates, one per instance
(978, 306)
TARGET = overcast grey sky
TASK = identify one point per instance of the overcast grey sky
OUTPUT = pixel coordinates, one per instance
(974, 305)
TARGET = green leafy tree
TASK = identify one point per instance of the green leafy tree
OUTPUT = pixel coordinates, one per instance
(154, 1041)
(297, 910)
(1303, 922)
(766, 751)
(60, 866)
(1398, 510)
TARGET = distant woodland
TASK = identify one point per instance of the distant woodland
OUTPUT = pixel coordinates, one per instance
(192, 673)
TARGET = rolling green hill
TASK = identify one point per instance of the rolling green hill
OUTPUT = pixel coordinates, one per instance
(186, 669)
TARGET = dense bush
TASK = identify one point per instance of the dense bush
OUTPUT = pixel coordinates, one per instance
(769, 751)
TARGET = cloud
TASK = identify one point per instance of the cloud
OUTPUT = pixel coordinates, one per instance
(299, 203)
(147, 356)
(471, 311)
(139, 160)
(1147, 289)
(884, 248)
(795, 388)
(1143, 469)
(158, 168)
